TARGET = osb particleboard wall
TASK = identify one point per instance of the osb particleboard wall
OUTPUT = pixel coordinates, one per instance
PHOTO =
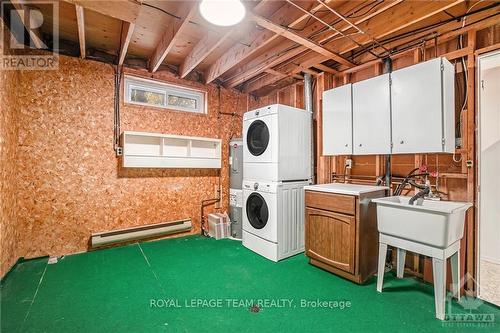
(8, 147)
(71, 183)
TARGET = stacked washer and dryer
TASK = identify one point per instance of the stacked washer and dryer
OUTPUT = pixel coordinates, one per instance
(276, 167)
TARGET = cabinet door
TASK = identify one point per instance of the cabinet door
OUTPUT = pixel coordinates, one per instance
(337, 121)
(371, 114)
(330, 238)
(417, 108)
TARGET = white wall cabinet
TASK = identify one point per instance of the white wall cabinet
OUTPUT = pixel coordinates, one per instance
(423, 108)
(155, 150)
(337, 121)
(411, 110)
(371, 112)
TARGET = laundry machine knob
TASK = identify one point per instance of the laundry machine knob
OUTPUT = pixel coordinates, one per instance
(257, 112)
(255, 186)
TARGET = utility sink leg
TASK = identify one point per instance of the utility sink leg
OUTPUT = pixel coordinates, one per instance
(400, 263)
(439, 273)
(382, 253)
(455, 274)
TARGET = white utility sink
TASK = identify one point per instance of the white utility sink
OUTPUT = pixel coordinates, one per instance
(431, 228)
(435, 223)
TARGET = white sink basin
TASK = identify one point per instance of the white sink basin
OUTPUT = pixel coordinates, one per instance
(434, 223)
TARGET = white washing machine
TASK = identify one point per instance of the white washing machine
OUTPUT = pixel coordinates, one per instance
(273, 218)
(277, 143)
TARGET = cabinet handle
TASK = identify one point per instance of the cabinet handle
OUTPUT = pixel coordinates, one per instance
(402, 142)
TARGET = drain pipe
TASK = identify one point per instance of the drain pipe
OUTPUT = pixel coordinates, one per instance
(308, 102)
(387, 68)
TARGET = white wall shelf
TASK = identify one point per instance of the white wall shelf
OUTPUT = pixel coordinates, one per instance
(155, 150)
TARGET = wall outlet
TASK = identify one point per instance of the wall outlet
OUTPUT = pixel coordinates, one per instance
(348, 163)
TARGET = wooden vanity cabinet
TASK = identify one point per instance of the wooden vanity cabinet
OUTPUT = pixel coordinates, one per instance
(341, 233)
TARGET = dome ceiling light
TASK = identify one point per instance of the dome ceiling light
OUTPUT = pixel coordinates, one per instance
(223, 13)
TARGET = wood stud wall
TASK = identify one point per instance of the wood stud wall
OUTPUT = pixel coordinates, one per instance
(456, 181)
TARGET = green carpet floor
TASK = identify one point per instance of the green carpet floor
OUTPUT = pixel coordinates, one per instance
(195, 284)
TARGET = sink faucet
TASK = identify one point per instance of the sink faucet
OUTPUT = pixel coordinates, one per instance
(423, 192)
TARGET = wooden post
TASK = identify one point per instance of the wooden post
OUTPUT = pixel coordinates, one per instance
(471, 171)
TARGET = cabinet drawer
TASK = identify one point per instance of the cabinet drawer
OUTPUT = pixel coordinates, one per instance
(333, 202)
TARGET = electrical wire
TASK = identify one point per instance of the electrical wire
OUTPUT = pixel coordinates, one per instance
(425, 28)
(162, 10)
(466, 78)
(338, 20)
(377, 3)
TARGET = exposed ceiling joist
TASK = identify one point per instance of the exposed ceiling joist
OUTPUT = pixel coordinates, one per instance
(446, 32)
(171, 36)
(259, 39)
(202, 50)
(379, 28)
(326, 69)
(316, 47)
(127, 32)
(273, 72)
(283, 52)
(127, 10)
(80, 20)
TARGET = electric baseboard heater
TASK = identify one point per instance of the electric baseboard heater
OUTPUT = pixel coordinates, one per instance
(140, 232)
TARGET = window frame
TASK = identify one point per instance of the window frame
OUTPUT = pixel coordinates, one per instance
(167, 89)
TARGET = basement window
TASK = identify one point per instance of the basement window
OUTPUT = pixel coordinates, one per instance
(158, 94)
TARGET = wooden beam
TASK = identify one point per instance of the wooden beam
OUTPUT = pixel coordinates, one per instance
(170, 37)
(201, 50)
(286, 50)
(326, 69)
(445, 33)
(127, 32)
(80, 20)
(411, 20)
(456, 54)
(487, 49)
(316, 47)
(276, 73)
(395, 21)
(258, 40)
(273, 72)
(127, 10)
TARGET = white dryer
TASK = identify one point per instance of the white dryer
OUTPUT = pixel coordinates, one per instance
(273, 218)
(277, 143)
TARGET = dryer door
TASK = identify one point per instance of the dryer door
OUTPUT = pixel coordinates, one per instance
(257, 137)
(257, 211)
(260, 139)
